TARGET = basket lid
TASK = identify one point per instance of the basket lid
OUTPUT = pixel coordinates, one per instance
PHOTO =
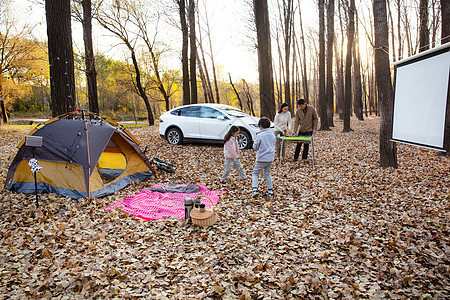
(198, 215)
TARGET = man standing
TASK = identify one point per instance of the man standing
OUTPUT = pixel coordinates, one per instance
(306, 122)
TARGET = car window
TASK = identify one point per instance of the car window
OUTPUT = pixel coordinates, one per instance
(190, 111)
(209, 113)
(235, 112)
(176, 112)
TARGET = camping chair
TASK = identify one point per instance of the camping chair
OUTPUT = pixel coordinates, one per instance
(297, 139)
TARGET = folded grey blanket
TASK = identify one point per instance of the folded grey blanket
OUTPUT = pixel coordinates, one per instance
(175, 188)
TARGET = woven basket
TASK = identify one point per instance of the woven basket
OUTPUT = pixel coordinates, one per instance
(206, 218)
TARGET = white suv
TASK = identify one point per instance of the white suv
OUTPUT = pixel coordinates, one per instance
(207, 123)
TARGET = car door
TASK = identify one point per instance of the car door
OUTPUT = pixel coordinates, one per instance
(188, 120)
(214, 124)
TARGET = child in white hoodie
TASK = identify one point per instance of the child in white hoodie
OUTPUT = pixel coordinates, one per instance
(231, 152)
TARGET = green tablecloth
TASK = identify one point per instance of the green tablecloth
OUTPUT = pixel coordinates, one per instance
(297, 138)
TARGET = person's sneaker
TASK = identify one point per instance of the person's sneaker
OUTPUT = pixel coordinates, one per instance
(270, 194)
(255, 193)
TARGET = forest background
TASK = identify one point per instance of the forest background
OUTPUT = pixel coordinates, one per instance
(323, 51)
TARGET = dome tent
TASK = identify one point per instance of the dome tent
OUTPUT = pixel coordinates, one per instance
(82, 155)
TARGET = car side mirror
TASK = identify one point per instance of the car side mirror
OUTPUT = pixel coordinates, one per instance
(221, 118)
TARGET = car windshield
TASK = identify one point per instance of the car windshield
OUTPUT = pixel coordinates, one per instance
(234, 112)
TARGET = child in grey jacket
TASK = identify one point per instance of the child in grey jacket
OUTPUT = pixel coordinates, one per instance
(265, 152)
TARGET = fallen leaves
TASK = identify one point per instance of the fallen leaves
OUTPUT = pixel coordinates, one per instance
(343, 229)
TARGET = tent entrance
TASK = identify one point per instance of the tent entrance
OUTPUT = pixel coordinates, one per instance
(112, 163)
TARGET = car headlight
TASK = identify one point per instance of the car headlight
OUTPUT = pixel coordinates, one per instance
(253, 125)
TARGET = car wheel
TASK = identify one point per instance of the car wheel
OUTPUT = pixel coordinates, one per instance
(174, 136)
(243, 139)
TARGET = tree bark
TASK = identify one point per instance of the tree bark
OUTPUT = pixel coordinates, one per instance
(193, 54)
(348, 67)
(305, 74)
(330, 43)
(91, 73)
(266, 94)
(216, 86)
(388, 155)
(445, 15)
(60, 56)
(357, 88)
(184, 52)
(4, 113)
(424, 35)
(236, 92)
(287, 14)
(445, 38)
(323, 114)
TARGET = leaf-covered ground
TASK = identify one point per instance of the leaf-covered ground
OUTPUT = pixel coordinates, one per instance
(343, 229)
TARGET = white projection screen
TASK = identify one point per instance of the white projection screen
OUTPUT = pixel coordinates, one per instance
(421, 96)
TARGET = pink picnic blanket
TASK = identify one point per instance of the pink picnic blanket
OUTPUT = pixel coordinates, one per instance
(152, 205)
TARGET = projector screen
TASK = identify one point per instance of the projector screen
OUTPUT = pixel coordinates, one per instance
(420, 100)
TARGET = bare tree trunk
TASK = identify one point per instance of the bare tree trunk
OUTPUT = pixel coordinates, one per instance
(236, 92)
(282, 72)
(184, 52)
(340, 90)
(246, 90)
(60, 56)
(330, 42)
(434, 23)
(445, 16)
(322, 99)
(203, 79)
(408, 33)
(388, 152)
(392, 31)
(4, 113)
(305, 74)
(207, 83)
(357, 88)
(193, 54)
(212, 59)
(141, 91)
(287, 19)
(424, 36)
(91, 73)
(348, 67)
(266, 94)
(445, 38)
(399, 31)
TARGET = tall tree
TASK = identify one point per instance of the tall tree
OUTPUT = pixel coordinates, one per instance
(85, 18)
(266, 94)
(305, 74)
(388, 152)
(424, 35)
(322, 100)
(184, 52)
(193, 54)
(213, 65)
(287, 19)
(115, 20)
(445, 15)
(329, 93)
(348, 67)
(357, 87)
(60, 56)
(445, 38)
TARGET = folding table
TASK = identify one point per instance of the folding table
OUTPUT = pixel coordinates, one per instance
(303, 139)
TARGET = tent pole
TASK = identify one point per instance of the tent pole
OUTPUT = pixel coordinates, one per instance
(35, 184)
